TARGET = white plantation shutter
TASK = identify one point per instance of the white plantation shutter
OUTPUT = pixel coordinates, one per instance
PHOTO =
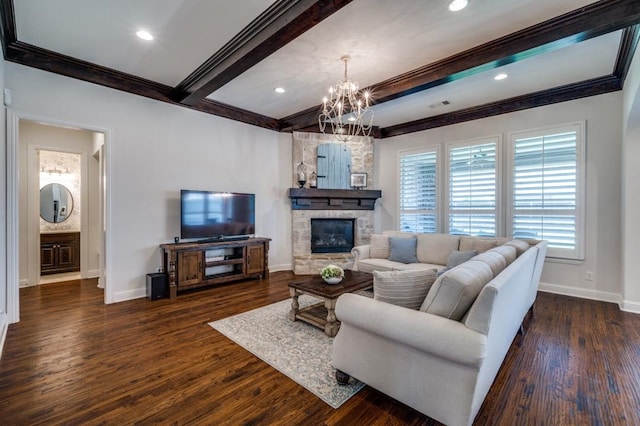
(546, 188)
(472, 176)
(418, 191)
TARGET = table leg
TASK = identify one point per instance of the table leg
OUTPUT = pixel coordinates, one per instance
(295, 306)
(331, 327)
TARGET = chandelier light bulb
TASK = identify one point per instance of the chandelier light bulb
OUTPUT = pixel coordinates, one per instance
(457, 5)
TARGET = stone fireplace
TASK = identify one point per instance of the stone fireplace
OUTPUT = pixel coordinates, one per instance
(354, 206)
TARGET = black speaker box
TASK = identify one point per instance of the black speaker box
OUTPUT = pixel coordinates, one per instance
(157, 286)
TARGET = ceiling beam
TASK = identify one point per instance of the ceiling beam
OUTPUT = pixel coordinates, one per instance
(573, 27)
(569, 92)
(35, 57)
(284, 21)
(628, 46)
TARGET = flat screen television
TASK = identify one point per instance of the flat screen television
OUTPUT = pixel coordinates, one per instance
(216, 215)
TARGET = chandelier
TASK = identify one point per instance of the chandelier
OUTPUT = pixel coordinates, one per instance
(346, 110)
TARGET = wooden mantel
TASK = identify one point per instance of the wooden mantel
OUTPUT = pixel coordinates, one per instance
(333, 199)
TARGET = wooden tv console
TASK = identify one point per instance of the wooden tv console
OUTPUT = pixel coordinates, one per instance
(200, 264)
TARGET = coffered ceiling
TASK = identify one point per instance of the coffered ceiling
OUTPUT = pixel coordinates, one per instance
(425, 65)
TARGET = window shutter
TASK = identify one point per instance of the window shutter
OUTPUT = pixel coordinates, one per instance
(472, 189)
(418, 192)
(545, 188)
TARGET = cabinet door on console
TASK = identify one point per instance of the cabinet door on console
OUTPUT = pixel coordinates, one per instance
(189, 268)
(255, 259)
(48, 256)
(67, 255)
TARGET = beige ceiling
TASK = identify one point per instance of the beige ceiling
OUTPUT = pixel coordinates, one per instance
(384, 38)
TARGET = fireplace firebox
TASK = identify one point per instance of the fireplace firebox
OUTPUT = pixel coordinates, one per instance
(332, 235)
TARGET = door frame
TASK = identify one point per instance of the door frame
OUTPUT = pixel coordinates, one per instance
(13, 267)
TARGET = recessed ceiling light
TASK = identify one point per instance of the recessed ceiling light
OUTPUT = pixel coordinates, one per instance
(145, 35)
(501, 76)
(457, 5)
(279, 90)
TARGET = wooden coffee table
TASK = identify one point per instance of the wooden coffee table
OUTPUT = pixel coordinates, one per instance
(322, 315)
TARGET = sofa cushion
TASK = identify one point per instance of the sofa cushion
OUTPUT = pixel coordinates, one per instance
(435, 248)
(454, 292)
(370, 265)
(509, 252)
(402, 249)
(519, 245)
(379, 246)
(495, 260)
(457, 257)
(479, 244)
(403, 288)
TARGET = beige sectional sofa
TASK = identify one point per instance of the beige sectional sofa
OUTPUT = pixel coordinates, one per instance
(441, 358)
(432, 250)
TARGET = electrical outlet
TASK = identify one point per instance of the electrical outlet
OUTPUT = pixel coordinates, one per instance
(588, 276)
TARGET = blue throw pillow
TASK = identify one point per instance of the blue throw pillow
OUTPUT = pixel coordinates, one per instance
(403, 249)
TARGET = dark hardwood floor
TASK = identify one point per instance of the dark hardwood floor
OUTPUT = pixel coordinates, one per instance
(73, 360)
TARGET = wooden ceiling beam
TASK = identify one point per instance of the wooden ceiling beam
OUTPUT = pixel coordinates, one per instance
(284, 21)
(569, 92)
(573, 27)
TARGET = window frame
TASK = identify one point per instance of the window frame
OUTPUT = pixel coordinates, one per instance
(577, 254)
(498, 209)
(437, 149)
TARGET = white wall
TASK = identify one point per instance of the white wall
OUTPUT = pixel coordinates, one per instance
(604, 139)
(3, 208)
(631, 188)
(156, 150)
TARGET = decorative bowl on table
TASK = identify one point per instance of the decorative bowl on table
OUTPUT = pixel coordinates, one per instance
(332, 274)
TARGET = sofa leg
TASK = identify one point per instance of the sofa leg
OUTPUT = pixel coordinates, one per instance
(342, 378)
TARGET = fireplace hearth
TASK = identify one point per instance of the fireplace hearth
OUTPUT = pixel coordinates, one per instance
(332, 235)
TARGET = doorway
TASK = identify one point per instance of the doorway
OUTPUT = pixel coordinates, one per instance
(28, 139)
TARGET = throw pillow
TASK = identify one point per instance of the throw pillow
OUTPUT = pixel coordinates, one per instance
(379, 248)
(403, 288)
(402, 250)
(453, 293)
(457, 257)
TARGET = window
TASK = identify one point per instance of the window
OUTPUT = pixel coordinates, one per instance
(546, 188)
(472, 187)
(418, 191)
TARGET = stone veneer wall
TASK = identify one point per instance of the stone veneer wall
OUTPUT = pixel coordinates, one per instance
(305, 149)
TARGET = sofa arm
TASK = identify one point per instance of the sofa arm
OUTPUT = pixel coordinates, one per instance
(360, 252)
(428, 333)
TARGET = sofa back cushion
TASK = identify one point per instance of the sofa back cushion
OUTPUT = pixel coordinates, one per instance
(509, 252)
(402, 249)
(403, 288)
(480, 244)
(495, 260)
(453, 293)
(519, 245)
(379, 246)
(435, 248)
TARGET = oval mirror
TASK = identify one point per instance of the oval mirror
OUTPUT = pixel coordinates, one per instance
(56, 203)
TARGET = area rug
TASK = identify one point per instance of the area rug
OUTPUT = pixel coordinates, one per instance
(296, 349)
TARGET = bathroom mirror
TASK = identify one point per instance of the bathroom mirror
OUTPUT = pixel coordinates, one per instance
(56, 203)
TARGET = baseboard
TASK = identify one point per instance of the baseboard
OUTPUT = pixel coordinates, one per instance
(23, 283)
(281, 267)
(583, 293)
(93, 273)
(629, 306)
(122, 296)
(4, 327)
